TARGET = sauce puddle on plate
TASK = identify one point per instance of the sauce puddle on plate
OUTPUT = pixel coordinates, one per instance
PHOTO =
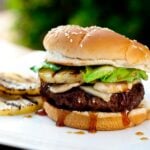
(76, 132)
(144, 138)
(28, 116)
(139, 133)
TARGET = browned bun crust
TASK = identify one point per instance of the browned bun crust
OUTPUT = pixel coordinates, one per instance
(105, 121)
(94, 43)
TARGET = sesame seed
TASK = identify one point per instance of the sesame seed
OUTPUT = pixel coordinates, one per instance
(56, 34)
(66, 34)
(81, 45)
(134, 46)
(71, 40)
(146, 55)
(89, 35)
(74, 33)
(146, 46)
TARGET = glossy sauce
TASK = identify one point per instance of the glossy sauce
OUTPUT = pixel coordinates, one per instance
(41, 112)
(139, 133)
(144, 138)
(92, 122)
(61, 117)
(77, 132)
(28, 116)
(125, 119)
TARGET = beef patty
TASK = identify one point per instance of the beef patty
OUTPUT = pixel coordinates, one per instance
(77, 99)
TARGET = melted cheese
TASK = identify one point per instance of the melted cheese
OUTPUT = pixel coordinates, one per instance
(113, 87)
(91, 90)
(102, 90)
(62, 88)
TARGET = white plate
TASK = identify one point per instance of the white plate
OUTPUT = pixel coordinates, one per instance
(39, 132)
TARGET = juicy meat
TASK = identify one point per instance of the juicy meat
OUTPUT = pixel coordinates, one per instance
(77, 99)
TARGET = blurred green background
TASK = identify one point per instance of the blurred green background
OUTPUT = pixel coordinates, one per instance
(36, 17)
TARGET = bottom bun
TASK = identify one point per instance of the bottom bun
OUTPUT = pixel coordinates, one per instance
(98, 121)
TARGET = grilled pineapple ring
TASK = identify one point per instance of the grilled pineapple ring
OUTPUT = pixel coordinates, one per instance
(9, 96)
(23, 105)
(12, 83)
(64, 76)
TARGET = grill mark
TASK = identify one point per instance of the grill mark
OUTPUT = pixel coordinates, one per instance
(12, 104)
(30, 100)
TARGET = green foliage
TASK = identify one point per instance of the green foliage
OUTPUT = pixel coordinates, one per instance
(46, 65)
(36, 17)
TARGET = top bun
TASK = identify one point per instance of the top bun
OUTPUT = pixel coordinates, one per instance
(77, 46)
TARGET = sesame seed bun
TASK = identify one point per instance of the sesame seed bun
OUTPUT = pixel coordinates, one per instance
(77, 46)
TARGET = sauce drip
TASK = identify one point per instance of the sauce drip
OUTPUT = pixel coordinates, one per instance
(41, 112)
(92, 122)
(125, 119)
(61, 117)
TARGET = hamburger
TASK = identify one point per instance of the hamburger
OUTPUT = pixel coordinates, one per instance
(91, 78)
